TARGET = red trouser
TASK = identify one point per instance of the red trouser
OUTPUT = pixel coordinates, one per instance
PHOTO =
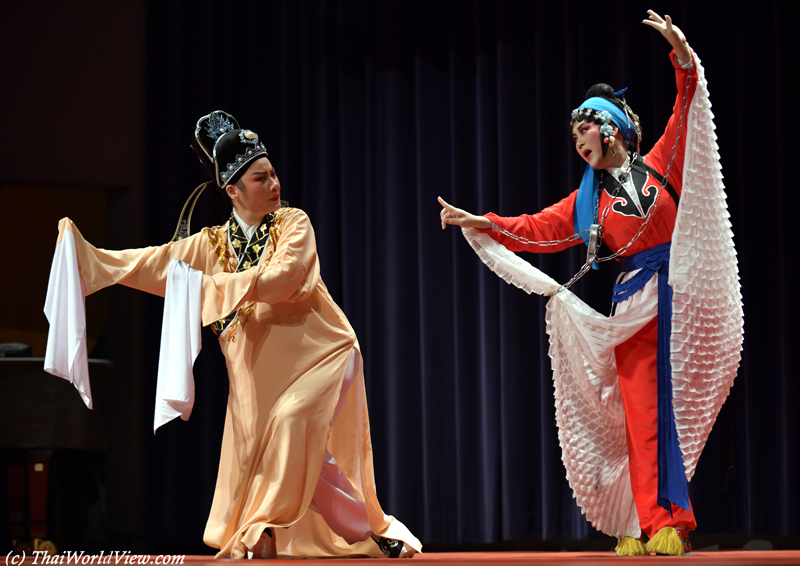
(636, 366)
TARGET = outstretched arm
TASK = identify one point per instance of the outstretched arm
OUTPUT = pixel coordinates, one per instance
(546, 232)
(457, 217)
(671, 33)
(145, 269)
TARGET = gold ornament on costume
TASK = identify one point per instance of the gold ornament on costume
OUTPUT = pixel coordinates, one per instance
(218, 242)
(241, 258)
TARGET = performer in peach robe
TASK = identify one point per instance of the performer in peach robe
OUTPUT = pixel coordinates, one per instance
(296, 450)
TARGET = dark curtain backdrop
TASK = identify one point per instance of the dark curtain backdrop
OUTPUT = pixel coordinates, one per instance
(370, 110)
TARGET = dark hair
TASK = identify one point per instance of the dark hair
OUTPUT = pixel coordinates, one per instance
(222, 201)
(602, 90)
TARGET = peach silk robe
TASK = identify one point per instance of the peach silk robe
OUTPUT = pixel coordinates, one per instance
(286, 364)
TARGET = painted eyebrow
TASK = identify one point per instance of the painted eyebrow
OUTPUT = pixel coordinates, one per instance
(258, 173)
(580, 128)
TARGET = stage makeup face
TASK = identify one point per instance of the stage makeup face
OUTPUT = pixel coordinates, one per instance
(589, 145)
(258, 192)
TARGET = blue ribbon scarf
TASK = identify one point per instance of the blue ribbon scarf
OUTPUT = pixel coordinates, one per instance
(672, 485)
(586, 200)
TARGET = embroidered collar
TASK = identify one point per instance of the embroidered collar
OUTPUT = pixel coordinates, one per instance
(623, 176)
(248, 250)
(248, 253)
(248, 230)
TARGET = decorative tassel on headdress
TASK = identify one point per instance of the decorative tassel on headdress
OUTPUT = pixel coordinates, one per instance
(633, 120)
(666, 542)
(185, 220)
(629, 546)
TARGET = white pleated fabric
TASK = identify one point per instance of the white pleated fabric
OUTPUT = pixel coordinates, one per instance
(706, 343)
(589, 412)
(181, 340)
(65, 310)
(707, 314)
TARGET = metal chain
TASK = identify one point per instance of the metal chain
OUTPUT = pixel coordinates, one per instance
(526, 241)
(588, 265)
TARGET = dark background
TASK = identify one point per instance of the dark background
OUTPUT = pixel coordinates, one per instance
(370, 110)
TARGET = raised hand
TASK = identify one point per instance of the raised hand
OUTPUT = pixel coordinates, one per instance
(457, 217)
(671, 33)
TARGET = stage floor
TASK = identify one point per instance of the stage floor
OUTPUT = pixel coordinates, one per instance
(523, 558)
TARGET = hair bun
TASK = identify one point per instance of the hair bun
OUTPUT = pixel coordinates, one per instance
(602, 90)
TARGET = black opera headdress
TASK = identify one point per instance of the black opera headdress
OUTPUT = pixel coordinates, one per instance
(233, 152)
(224, 150)
(208, 130)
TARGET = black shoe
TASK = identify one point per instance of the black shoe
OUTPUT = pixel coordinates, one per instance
(392, 548)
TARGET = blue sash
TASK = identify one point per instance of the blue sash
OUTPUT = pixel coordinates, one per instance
(672, 484)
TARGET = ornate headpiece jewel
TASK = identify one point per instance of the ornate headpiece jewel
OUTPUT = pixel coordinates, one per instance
(218, 125)
(605, 129)
(248, 136)
(598, 106)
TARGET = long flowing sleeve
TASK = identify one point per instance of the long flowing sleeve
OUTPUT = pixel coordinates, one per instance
(79, 269)
(180, 343)
(145, 269)
(65, 310)
(707, 310)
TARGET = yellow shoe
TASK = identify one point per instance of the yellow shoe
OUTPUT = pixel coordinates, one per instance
(670, 542)
(629, 546)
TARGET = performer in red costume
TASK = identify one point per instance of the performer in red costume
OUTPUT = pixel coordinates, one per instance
(630, 203)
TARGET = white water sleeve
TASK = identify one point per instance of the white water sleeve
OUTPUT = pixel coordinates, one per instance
(589, 411)
(180, 344)
(65, 310)
(707, 314)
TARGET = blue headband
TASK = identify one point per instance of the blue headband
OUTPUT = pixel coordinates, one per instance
(617, 115)
(586, 199)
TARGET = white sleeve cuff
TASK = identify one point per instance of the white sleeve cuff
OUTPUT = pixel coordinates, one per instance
(65, 310)
(180, 344)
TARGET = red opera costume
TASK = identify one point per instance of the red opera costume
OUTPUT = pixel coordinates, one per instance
(557, 222)
(621, 359)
